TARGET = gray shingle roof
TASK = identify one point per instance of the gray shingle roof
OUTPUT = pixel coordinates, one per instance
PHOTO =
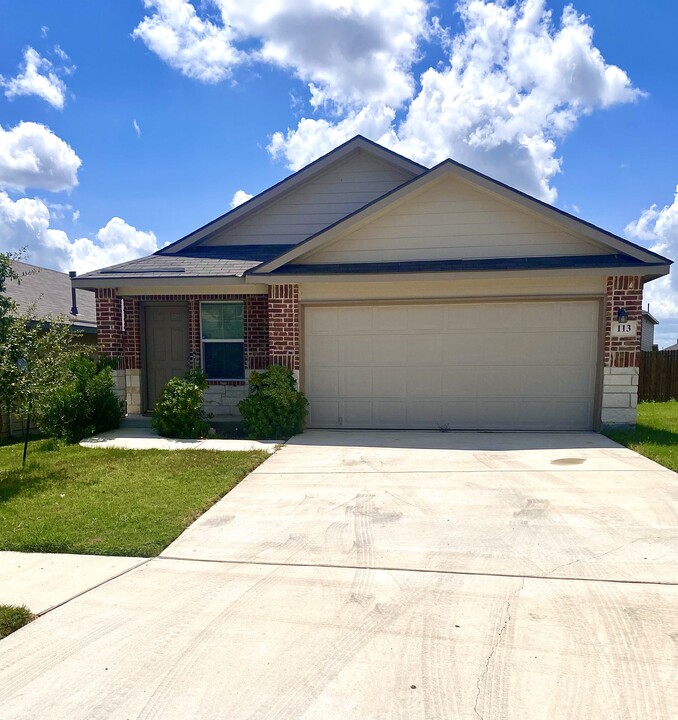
(49, 292)
(223, 261)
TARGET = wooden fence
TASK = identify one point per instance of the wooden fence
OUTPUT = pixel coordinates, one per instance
(658, 375)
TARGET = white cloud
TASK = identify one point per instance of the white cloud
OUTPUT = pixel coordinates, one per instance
(658, 229)
(137, 129)
(513, 86)
(26, 223)
(197, 47)
(348, 51)
(240, 197)
(31, 155)
(38, 77)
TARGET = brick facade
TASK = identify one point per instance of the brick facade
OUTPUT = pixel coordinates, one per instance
(109, 323)
(626, 292)
(120, 318)
(283, 318)
(622, 353)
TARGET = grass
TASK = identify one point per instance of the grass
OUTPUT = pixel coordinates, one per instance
(13, 617)
(109, 502)
(656, 434)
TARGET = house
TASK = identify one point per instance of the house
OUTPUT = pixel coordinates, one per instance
(401, 297)
(49, 294)
(647, 331)
(673, 347)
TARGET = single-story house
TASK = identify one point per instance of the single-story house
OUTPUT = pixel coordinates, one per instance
(648, 323)
(401, 297)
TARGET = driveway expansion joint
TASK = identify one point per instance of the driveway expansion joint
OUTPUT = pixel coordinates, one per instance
(429, 571)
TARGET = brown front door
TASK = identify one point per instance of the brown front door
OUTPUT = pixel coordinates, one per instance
(166, 333)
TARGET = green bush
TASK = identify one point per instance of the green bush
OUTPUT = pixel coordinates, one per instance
(274, 408)
(178, 411)
(86, 404)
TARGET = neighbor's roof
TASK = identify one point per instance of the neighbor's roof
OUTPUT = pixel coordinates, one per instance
(651, 318)
(49, 293)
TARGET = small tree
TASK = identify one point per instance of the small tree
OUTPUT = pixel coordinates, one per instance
(35, 354)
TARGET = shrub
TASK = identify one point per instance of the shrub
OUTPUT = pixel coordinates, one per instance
(178, 411)
(274, 408)
(86, 404)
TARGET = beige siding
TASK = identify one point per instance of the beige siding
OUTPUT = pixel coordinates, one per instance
(565, 285)
(450, 220)
(311, 207)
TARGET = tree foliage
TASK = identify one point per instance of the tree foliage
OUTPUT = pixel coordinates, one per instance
(35, 352)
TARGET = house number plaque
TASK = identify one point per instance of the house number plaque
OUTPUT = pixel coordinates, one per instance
(627, 328)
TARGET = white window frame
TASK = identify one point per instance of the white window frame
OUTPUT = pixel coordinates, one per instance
(239, 341)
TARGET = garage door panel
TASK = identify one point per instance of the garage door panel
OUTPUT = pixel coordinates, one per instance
(522, 365)
(355, 382)
(322, 351)
(425, 350)
(390, 349)
(390, 381)
(355, 350)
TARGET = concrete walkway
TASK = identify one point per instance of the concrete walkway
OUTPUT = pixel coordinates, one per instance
(42, 581)
(380, 575)
(134, 438)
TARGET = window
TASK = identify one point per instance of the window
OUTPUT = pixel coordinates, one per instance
(223, 346)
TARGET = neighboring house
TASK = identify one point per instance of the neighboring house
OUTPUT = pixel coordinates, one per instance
(671, 347)
(401, 297)
(647, 331)
(49, 294)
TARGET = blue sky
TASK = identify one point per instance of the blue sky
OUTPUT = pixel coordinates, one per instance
(125, 125)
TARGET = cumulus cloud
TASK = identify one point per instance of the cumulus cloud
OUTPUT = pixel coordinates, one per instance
(38, 77)
(239, 197)
(199, 48)
(349, 52)
(26, 222)
(31, 155)
(514, 84)
(657, 229)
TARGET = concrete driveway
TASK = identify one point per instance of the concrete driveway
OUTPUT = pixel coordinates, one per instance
(382, 575)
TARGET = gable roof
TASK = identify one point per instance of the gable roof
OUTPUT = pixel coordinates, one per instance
(49, 293)
(618, 246)
(267, 197)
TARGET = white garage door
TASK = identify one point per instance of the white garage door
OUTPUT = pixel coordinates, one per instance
(526, 365)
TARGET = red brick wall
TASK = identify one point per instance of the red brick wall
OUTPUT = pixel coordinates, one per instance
(132, 334)
(623, 291)
(127, 345)
(109, 323)
(283, 325)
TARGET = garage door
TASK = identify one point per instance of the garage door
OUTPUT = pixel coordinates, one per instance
(525, 365)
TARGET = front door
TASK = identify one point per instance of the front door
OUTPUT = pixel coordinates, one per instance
(166, 333)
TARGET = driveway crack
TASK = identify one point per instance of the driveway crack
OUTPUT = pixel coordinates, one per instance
(500, 634)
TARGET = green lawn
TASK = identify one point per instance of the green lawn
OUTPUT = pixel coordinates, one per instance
(109, 502)
(12, 617)
(656, 435)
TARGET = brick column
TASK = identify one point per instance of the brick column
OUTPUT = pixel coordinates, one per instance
(256, 332)
(622, 352)
(283, 326)
(132, 346)
(110, 338)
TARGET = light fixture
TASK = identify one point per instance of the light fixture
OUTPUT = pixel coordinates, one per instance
(622, 315)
